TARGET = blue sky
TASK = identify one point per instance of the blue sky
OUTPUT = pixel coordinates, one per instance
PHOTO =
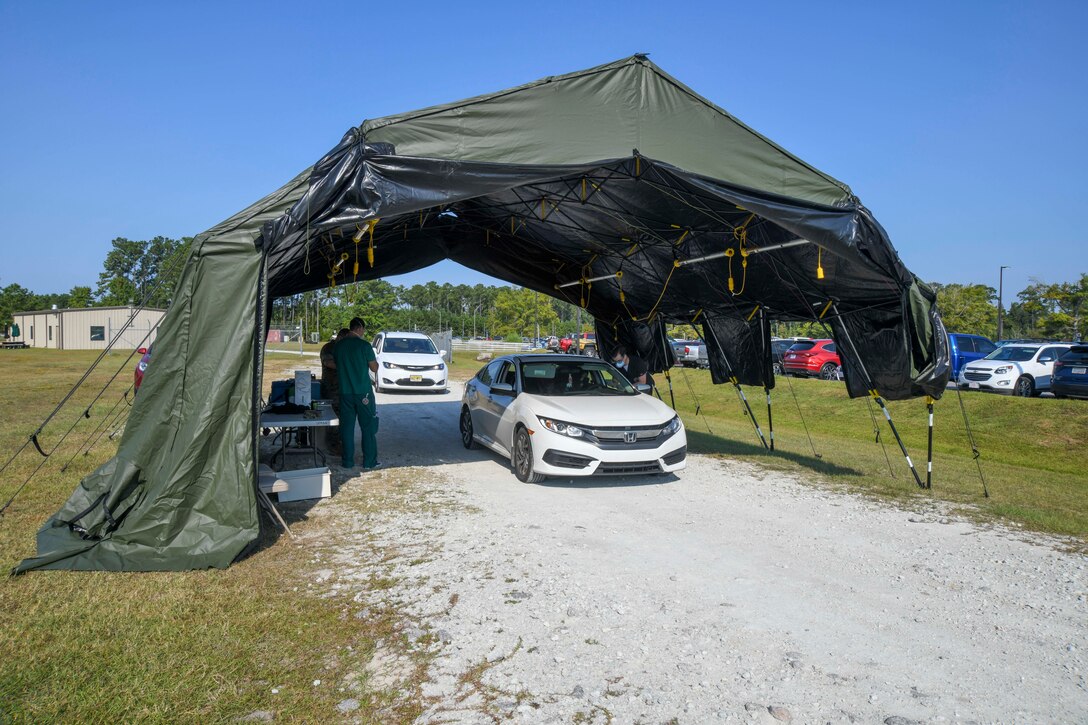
(961, 125)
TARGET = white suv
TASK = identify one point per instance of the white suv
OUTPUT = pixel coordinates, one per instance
(1022, 370)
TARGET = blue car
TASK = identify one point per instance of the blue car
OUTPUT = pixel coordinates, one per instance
(965, 348)
(1070, 377)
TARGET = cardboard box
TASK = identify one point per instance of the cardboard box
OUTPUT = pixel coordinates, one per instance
(305, 483)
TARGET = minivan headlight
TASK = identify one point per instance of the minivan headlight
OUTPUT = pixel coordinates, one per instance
(391, 366)
(558, 426)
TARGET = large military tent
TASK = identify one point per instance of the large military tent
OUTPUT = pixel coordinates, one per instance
(617, 188)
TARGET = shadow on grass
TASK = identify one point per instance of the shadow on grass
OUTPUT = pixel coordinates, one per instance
(699, 442)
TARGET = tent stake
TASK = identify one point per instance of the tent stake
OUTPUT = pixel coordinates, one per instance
(929, 444)
(876, 396)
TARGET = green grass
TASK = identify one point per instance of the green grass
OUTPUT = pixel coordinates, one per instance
(1032, 450)
(210, 645)
(166, 647)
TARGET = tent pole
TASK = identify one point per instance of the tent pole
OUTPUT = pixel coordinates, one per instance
(929, 444)
(766, 388)
(876, 396)
(668, 377)
(740, 393)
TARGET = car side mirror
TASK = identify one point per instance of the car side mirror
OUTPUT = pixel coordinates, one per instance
(142, 350)
(502, 388)
(441, 353)
(644, 388)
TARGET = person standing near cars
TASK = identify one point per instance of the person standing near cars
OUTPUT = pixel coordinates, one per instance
(330, 385)
(355, 360)
(633, 366)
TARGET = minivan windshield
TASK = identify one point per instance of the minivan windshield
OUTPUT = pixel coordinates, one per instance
(410, 345)
(560, 379)
(1013, 353)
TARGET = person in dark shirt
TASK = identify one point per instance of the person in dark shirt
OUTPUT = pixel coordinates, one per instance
(355, 360)
(633, 366)
(330, 386)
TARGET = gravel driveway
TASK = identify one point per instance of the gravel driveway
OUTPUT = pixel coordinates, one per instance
(724, 594)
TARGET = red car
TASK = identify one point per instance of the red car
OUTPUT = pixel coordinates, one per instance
(814, 358)
(565, 343)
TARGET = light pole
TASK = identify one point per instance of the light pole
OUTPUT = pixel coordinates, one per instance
(1000, 307)
(474, 311)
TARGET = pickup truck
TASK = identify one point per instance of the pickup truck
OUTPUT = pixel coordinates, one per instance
(693, 355)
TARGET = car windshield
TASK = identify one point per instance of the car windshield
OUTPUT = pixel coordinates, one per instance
(410, 345)
(558, 379)
(1013, 353)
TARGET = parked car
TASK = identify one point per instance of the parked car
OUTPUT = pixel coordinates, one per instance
(408, 361)
(141, 369)
(565, 343)
(552, 343)
(690, 355)
(965, 348)
(587, 344)
(1023, 370)
(814, 358)
(1070, 376)
(677, 349)
(566, 415)
(779, 346)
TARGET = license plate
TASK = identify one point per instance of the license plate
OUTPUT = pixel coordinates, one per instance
(973, 386)
(1080, 371)
(416, 378)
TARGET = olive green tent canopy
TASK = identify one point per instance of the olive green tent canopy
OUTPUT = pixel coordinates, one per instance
(617, 188)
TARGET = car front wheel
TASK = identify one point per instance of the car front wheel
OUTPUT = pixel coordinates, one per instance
(523, 458)
(467, 439)
(1025, 387)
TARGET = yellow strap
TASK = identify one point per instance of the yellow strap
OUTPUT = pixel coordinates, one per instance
(754, 311)
(826, 308)
(693, 319)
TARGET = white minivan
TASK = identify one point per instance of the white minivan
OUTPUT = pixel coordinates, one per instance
(408, 361)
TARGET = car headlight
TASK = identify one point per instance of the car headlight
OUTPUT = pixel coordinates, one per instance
(1003, 369)
(672, 426)
(391, 366)
(439, 366)
(558, 426)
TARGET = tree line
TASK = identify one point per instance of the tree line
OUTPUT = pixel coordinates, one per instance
(145, 272)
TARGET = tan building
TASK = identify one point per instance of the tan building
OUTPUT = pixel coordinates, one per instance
(88, 328)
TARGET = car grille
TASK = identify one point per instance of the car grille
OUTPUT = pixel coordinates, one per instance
(423, 383)
(417, 367)
(676, 456)
(616, 435)
(618, 469)
(976, 376)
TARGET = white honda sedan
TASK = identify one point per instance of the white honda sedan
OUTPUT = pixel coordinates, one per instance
(568, 415)
(408, 361)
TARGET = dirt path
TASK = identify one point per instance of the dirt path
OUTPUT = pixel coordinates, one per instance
(727, 594)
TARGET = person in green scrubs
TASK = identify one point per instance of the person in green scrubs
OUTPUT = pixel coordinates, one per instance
(354, 362)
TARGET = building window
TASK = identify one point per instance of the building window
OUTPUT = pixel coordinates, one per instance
(50, 333)
(98, 333)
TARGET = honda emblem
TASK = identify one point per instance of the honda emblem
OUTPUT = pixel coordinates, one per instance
(630, 436)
